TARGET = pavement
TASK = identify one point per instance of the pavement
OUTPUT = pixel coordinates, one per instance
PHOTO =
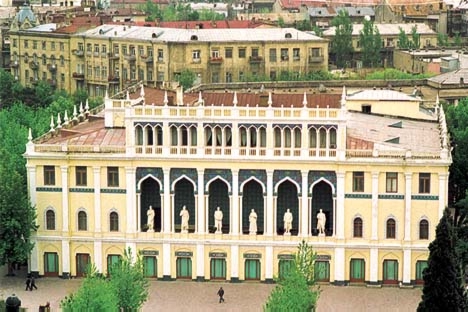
(192, 296)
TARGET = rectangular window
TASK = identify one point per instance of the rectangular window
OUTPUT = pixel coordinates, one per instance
(228, 53)
(103, 49)
(254, 52)
(358, 181)
(81, 176)
(272, 55)
(228, 77)
(284, 54)
(35, 44)
(315, 52)
(296, 55)
(26, 44)
(160, 55)
(62, 46)
(424, 183)
(141, 50)
(15, 43)
(52, 45)
(49, 175)
(392, 182)
(241, 52)
(196, 55)
(113, 176)
(214, 53)
(218, 269)
(96, 49)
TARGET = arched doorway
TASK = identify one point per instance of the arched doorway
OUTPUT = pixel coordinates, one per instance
(252, 198)
(184, 196)
(218, 197)
(322, 198)
(287, 199)
(150, 195)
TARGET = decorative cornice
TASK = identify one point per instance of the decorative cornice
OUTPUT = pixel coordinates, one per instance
(391, 196)
(424, 197)
(114, 191)
(81, 190)
(358, 195)
(48, 189)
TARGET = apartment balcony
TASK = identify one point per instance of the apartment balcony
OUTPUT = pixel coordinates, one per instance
(78, 76)
(316, 59)
(284, 58)
(34, 65)
(33, 80)
(149, 59)
(255, 59)
(79, 53)
(113, 79)
(52, 68)
(14, 64)
(52, 82)
(130, 57)
(216, 60)
(113, 56)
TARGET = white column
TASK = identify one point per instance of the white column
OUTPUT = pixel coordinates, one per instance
(305, 205)
(166, 214)
(339, 264)
(406, 266)
(234, 228)
(65, 217)
(34, 263)
(66, 257)
(166, 260)
(375, 205)
(340, 194)
(443, 189)
(374, 266)
(32, 184)
(201, 229)
(201, 261)
(98, 255)
(235, 262)
(97, 199)
(269, 205)
(408, 184)
(132, 206)
(269, 262)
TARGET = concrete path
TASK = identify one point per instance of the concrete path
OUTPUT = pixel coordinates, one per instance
(192, 296)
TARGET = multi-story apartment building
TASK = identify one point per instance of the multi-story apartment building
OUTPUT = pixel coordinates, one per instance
(375, 162)
(112, 57)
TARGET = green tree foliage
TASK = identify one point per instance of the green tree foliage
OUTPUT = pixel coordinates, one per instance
(281, 22)
(404, 42)
(152, 10)
(457, 40)
(318, 31)
(94, 294)
(128, 280)
(415, 38)
(394, 74)
(443, 289)
(177, 12)
(297, 291)
(371, 43)
(304, 25)
(186, 78)
(342, 44)
(442, 40)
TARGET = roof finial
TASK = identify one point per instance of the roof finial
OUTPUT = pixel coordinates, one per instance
(128, 95)
(343, 98)
(165, 98)
(75, 114)
(65, 118)
(52, 124)
(270, 101)
(106, 95)
(200, 98)
(81, 109)
(59, 121)
(142, 91)
(30, 135)
(304, 101)
(234, 101)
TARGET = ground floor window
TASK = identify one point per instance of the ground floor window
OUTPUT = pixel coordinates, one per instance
(51, 265)
(420, 266)
(390, 272)
(82, 262)
(184, 267)
(218, 269)
(150, 266)
(252, 269)
(357, 271)
(112, 260)
(322, 271)
(284, 266)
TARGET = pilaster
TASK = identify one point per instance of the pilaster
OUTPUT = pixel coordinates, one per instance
(375, 205)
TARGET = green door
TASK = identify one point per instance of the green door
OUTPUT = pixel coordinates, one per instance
(322, 271)
(218, 269)
(150, 267)
(284, 267)
(184, 268)
(420, 267)
(357, 271)
(252, 269)
(111, 261)
(51, 264)
(390, 272)
(82, 262)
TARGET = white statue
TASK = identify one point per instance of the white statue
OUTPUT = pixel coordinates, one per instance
(252, 222)
(150, 220)
(288, 218)
(218, 216)
(321, 220)
(184, 220)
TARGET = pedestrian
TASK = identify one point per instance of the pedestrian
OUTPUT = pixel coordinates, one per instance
(28, 282)
(221, 294)
(33, 284)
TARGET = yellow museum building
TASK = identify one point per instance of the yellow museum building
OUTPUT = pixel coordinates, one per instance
(374, 161)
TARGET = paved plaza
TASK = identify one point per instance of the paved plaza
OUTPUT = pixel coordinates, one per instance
(192, 296)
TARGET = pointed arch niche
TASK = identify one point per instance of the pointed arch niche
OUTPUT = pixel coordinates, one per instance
(150, 195)
(322, 198)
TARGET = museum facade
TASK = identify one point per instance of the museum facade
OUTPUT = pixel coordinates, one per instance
(374, 162)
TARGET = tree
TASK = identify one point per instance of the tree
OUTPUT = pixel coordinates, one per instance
(186, 78)
(371, 42)
(296, 292)
(457, 40)
(443, 289)
(95, 294)
(403, 41)
(342, 42)
(128, 280)
(415, 38)
(442, 40)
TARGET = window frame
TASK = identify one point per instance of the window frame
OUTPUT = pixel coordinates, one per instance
(424, 229)
(49, 175)
(113, 221)
(82, 221)
(424, 186)
(50, 220)
(391, 182)
(113, 176)
(390, 229)
(357, 228)
(81, 176)
(358, 181)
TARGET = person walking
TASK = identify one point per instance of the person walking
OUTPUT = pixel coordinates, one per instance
(221, 294)
(33, 284)
(28, 282)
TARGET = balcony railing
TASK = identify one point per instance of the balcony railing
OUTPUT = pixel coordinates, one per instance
(130, 57)
(113, 56)
(113, 79)
(316, 59)
(79, 53)
(78, 76)
(52, 67)
(34, 65)
(14, 64)
(149, 59)
(216, 60)
(256, 59)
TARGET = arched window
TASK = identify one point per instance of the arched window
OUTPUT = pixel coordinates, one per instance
(333, 138)
(82, 221)
(139, 135)
(50, 219)
(262, 137)
(174, 136)
(312, 138)
(297, 137)
(323, 138)
(114, 221)
(243, 137)
(277, 137)
(287, 137)
(193, 136)
(391, 231)
(423, 229)
(357, 227)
